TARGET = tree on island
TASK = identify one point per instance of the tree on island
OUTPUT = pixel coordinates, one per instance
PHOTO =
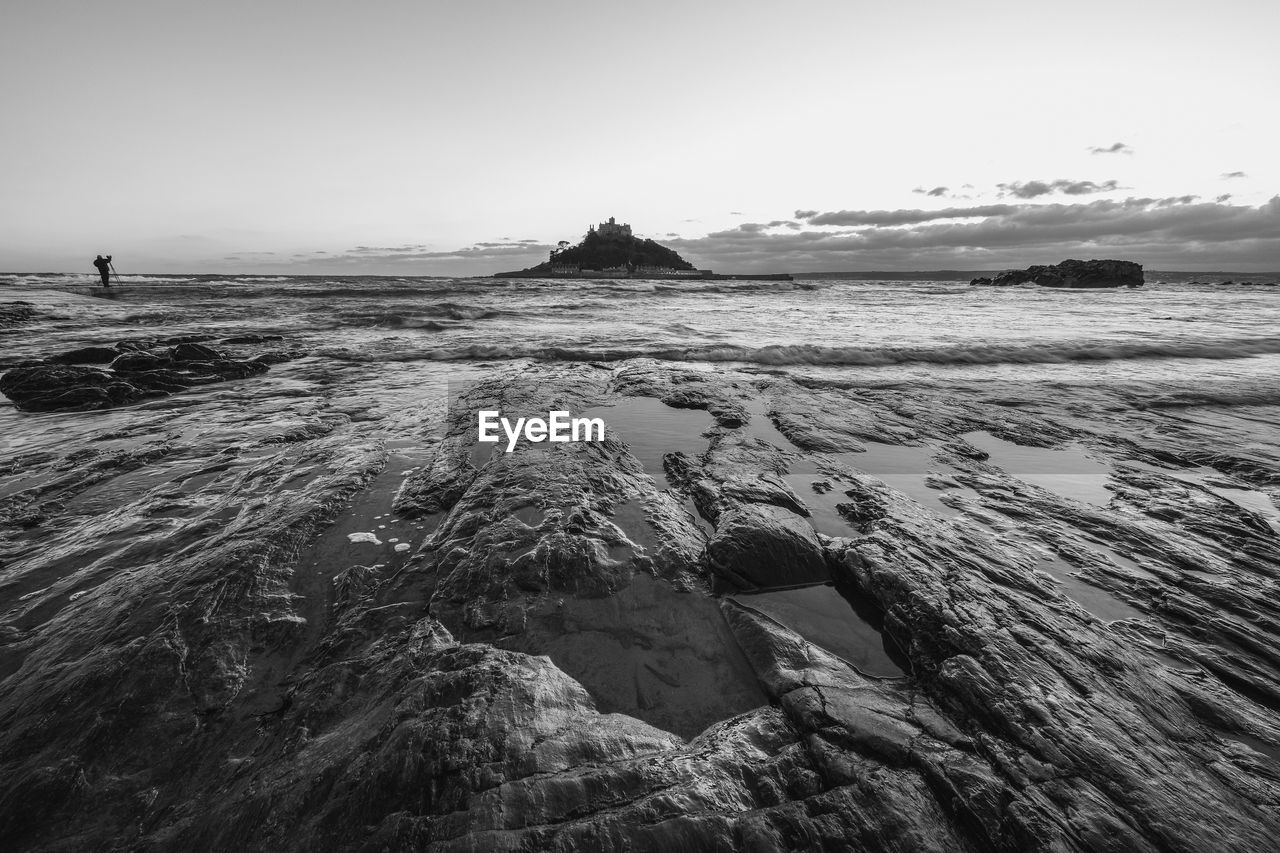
(600, 251)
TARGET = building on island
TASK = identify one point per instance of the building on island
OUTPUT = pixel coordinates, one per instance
(611, 250)
(611, 229)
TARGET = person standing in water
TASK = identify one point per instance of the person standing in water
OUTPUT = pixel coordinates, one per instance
(104, 269)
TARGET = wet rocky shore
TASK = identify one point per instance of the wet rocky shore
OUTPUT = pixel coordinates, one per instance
(767, 612)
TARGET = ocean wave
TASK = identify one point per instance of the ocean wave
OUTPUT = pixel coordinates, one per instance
(808, 354)
(435, 317)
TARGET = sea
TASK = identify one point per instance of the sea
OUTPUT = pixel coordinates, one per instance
(394, 344)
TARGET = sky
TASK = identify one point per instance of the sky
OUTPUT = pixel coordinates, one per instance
(411, 137)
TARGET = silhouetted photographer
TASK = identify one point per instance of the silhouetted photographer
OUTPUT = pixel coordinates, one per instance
(104, 269)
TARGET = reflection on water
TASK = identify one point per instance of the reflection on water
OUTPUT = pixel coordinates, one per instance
(652, 429)
(842, 625)
(629, 517)
(903, 468)
(1217, 483)
(648, 651)
(762, 427)
(1096, 600)
(820, 495)
(1067, 472)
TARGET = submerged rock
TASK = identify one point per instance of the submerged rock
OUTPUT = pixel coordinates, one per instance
(134, 373)
(15, 313)
(86, 355)
(1072, 274)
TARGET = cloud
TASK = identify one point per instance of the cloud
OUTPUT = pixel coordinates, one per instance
(1032, 189)
(1228, 175)
(1173, 232)
(383, 250)
(936, 191)
(1164, 233)
(1223, 198)
(1114, 148)
(480, 258)
(735, 213)
(901, 217)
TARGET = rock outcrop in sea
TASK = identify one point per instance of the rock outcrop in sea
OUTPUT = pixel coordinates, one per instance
(1072, 274)
(591, 647)
(99, 377)
(15, 313)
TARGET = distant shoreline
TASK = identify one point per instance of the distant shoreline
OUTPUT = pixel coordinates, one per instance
(850, 275)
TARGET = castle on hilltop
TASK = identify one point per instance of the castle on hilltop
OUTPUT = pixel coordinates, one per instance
(611, 229)
(610, 250)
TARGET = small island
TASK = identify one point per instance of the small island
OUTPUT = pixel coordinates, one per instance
(1071, 274)
(610, 250)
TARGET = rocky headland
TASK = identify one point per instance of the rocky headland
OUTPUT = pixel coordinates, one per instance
(765, 613)
(1071, 274)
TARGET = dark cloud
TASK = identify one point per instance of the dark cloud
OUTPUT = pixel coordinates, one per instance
(936, 191)
(1114, 148)
(1032, 189)
(901, 217)
(759, 227)
(478, 259)
(383, 250)
(1170, 233)
(1175, 232)
(1223, 198)
(1228, 175)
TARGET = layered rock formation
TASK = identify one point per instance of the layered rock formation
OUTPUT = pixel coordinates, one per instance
(1071, 274)
(134, 371)
(578, 655)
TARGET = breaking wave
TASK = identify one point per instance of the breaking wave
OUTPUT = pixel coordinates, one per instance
(432, 317)
(808, 354)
